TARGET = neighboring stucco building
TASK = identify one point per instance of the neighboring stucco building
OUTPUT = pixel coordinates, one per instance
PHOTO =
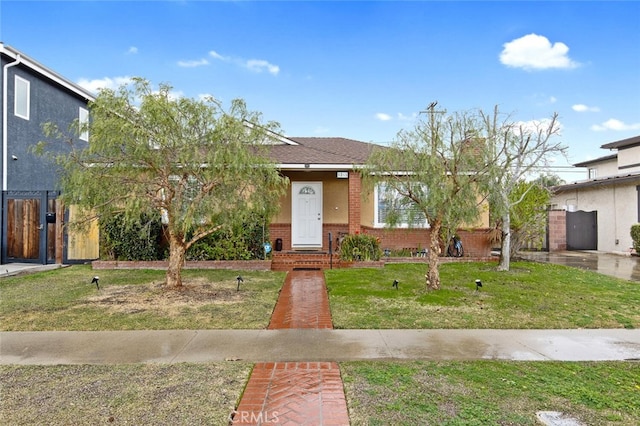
(32, 95)
(601, 209)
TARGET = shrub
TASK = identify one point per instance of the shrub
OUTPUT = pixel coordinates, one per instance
(635, 236)
(124, 240)
(243, 241)
(360, 247)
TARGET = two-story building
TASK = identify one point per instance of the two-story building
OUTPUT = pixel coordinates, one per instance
(33, 94)
(600, 210)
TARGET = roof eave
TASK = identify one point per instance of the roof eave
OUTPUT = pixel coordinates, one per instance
(623, 143)
(46, 72)
(317, 167)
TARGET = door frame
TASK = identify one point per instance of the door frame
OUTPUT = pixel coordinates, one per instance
(295, 218)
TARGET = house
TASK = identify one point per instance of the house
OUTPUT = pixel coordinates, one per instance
(33, 94)
(597, 213)
(326, 197)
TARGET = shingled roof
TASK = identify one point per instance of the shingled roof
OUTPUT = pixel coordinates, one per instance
(324, 152)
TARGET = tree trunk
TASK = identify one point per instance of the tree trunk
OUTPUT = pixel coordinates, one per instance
(176, 262)
(433, 273)
(505, 249)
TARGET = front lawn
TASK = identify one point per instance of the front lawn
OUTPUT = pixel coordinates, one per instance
(531, 295)
(377, 393)
(490, 392)
(65, 299)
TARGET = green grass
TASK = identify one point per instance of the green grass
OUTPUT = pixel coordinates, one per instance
(377, 393)
(531, 295)
(64, 299)
(490, 392)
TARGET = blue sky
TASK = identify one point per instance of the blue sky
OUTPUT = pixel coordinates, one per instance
(356, 69)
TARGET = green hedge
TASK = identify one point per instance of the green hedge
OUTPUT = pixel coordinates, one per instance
(123, 240)
(635, 235)
(144, 240)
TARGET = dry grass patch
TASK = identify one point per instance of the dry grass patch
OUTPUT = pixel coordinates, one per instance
(155, 297)
(176, 394)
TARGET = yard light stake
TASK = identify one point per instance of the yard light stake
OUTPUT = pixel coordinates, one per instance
(395, 284)
(95, 281)
(240, 280)
(478, 285)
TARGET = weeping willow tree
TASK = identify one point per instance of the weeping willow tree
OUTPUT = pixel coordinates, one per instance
(197, 165)
(429, 175)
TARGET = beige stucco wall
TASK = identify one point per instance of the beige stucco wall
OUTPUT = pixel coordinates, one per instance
(629, 160)
(604, 168)
(335, 196)
(617, 207)
(335, 203)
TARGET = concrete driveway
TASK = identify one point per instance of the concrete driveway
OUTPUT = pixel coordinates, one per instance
(616, 265)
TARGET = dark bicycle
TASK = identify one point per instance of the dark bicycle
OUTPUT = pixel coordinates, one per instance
(455, 248)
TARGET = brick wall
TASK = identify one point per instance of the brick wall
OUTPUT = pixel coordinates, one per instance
(557, 230)
(475, 242)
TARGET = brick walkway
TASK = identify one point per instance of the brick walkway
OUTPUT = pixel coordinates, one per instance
(296, 393)
(303, 302)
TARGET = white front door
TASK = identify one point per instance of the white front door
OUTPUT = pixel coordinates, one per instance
(306, 214)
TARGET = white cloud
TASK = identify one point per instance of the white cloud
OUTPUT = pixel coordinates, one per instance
(535, 126)
(383, 117)
(536, 52)
(206, 97)
(320, 130)
(259, 65)
(255, 65)
(216, 55)
(584, 108)
(105, 83)
(616, 125)
(132, 50)
(193, 63)
(403, 117)
(553, 99)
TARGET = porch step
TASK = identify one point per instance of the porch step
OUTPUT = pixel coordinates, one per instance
(290, 260)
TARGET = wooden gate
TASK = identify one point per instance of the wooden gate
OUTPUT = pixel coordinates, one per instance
(29, 231)
(23, 229)
(582, 230)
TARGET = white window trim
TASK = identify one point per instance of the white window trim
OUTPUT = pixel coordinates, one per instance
(376, 214)
(83, 119)
(20, 80)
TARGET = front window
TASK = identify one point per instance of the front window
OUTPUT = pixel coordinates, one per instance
(22, 95)
(593, 173)
(389, 203)
(83, 120)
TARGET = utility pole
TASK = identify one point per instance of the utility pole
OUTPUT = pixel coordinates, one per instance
(431, 110)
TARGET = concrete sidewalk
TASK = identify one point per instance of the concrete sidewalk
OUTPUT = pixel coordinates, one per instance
(172, 346)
